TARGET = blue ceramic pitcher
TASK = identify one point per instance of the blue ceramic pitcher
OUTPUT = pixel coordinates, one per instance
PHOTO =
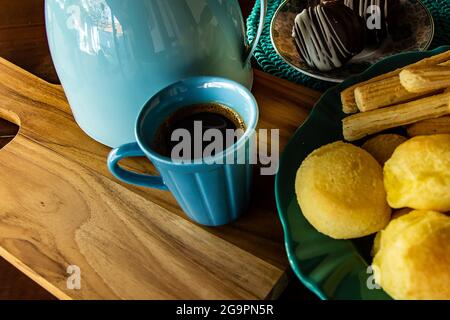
(113, 55)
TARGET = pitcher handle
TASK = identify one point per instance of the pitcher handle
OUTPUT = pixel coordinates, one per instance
(127, 151)
(262, 18)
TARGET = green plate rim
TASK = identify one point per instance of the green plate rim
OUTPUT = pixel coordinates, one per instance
(369, 73)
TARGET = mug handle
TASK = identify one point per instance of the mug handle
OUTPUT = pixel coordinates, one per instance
(127, 151)
(262, 19)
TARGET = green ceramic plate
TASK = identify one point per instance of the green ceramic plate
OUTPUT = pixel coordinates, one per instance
(332, 269)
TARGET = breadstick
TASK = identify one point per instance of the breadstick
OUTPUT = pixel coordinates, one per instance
(429, 127)
(348, 95)
(420, 80)
(383, 93)
(359, 125)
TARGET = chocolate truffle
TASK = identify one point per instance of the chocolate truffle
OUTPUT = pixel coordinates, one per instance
(377, 15)
(388, 7)
(328, 35)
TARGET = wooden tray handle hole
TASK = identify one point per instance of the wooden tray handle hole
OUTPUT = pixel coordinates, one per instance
(9, 126)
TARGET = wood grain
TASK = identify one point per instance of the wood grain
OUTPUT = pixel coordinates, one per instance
(256, 231)
(60, 206)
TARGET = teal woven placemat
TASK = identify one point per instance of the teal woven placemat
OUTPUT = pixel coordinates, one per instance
(270, 62)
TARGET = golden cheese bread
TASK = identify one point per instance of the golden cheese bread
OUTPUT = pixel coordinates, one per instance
(412, 257)
(382, 146)
(395, 215)
(418, 174)
(340, 190)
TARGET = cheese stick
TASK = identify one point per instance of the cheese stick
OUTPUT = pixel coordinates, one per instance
(360, 125)
(429, 127)
(348, 95)
(420, 80)
(383, 93)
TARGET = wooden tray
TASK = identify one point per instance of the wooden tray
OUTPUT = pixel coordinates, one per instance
(59, 206)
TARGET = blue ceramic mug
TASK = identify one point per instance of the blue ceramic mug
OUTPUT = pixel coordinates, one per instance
(212, 191)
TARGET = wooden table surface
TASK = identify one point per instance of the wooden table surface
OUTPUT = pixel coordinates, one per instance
(60, 206)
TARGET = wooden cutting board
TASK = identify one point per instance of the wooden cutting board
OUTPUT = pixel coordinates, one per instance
(60, 207)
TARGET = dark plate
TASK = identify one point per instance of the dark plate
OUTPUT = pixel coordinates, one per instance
(414, 33)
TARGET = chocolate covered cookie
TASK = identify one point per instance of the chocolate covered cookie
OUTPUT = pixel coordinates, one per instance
(328, 35)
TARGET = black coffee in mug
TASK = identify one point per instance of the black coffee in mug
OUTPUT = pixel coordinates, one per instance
(198, 118)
